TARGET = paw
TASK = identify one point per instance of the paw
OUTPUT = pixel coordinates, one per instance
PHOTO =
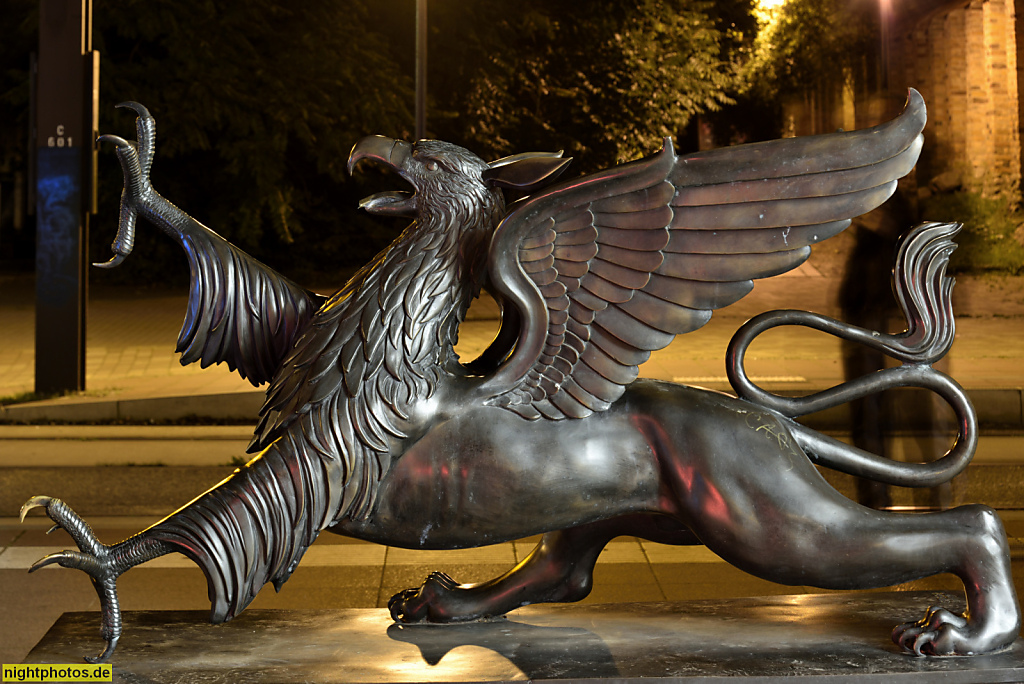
(936, 634)
(943, 633)
(427, 603)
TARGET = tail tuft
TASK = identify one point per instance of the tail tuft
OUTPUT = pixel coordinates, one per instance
(924, 292)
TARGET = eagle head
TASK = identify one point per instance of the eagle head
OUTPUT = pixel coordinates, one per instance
(446, 177)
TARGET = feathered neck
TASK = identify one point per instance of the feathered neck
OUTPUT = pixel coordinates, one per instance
(393, 326)
(424, 282)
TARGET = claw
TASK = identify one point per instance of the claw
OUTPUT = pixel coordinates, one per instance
(46, 560)
(70, 559)
(137, 108)
(116, 139)
(34, 502)
(68, 520)
(103, 657)
(114, 261)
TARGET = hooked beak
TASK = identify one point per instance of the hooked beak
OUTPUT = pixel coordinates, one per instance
(393, 154)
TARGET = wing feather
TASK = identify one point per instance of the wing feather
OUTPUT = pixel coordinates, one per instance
(584, 397)
(638, 260)
(796, 212)
(538, 265)
(731, 267)
(809, 185)
(581, 236)
(612, 346)
(596, 384)
(607, 368)
(634, 332)
(543, 240)
(607, 268)
(656, 196)
(568, 405)
(755, 241)
(578, 252)
(605, 289)
(620, 273)
(592, 301)
(806, 155)
(659, 216)
(671, 319)
(697, 294)
(643, 240)
(570, 225)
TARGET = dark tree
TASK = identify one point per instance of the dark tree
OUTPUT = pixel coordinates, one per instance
(804, 43)
(605, 80)
(259, 103)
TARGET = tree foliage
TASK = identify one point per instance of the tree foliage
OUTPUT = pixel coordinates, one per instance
(802, 43)
(261, 102)
(258, 103)
(606, 80)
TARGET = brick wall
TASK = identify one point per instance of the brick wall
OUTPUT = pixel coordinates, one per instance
(963, 58)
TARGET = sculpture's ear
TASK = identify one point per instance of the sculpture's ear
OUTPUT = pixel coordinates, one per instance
(526, 172)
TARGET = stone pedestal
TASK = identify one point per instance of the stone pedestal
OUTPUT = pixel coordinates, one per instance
(807, 638)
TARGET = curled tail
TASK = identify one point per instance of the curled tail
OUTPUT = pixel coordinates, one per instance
(924, 294)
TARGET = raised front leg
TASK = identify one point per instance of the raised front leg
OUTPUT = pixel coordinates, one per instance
(136, 158)
(560, 569)
(240, 312)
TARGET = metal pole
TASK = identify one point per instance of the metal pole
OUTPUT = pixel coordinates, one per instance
(885, 18)
(421, 69)
(64, 148)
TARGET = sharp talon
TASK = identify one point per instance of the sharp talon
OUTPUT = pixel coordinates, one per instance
(53, 529)
(46, 560)
(137, 108)
(116, 139)
(34, 502)
(114, 261)
(103, 657)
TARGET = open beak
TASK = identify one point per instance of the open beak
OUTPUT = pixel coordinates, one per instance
(393, 154)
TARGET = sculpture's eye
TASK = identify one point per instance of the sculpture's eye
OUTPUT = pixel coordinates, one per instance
(431, 166)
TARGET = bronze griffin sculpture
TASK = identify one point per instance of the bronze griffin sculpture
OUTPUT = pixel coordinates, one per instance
(374, 428)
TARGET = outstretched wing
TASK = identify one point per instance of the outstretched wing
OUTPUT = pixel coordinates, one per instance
(607, 268)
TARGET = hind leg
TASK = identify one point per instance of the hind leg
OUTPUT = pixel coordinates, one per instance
(559, 569)
(978, 553)
(836, 545)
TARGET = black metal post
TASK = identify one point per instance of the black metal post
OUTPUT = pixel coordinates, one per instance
(65, 124)
(421, 69)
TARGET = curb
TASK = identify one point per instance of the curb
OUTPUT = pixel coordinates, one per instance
(234, 406)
